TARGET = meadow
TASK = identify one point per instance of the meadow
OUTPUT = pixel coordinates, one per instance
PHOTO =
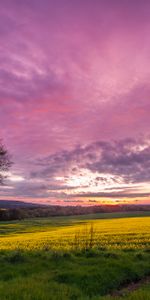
(97, 257)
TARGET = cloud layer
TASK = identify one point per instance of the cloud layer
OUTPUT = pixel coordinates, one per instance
(101, 170)
(74, 96)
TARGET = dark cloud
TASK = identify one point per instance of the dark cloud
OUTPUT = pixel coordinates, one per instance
(129, 159)
(125, 161)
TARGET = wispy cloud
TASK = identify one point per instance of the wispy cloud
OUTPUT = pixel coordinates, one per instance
(74, 96)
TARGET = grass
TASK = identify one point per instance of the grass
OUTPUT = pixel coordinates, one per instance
(142, 293)
(68, 258)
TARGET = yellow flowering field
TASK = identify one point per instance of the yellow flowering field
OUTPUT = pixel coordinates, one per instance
(117, 233)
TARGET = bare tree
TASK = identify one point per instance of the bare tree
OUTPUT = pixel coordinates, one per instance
(5, 162)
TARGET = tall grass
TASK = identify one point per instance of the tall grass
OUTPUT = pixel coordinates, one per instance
(85, 239)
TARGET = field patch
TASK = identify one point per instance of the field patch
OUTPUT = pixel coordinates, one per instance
(64, 233)
(75, 258)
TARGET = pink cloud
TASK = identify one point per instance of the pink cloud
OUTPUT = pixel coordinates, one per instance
(72, 73)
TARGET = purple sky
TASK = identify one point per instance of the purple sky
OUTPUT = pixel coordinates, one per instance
(75, 100)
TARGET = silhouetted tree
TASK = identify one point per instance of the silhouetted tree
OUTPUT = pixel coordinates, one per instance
(5, 162)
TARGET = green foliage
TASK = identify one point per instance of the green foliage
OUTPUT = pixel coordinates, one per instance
(16, 257)
(63, 275)
(8, 213)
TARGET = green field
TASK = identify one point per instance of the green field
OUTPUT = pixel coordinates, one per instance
(79, 257)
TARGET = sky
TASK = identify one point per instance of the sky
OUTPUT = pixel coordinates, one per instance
(75, 100)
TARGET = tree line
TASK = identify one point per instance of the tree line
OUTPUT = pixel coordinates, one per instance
(19, 213)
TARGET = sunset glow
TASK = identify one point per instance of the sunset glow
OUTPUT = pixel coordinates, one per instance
(75, 100)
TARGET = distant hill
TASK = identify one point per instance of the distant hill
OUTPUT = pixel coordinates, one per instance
(16, 204)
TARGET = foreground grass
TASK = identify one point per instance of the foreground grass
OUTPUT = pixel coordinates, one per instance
(142, 293)
(52, 259)
(87, 274)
